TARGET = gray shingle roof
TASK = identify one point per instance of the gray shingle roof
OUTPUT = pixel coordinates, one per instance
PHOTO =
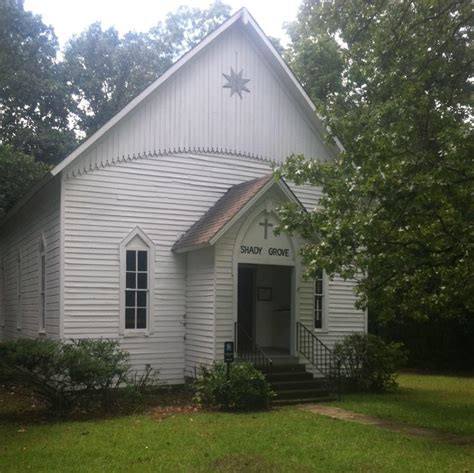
(204, 229)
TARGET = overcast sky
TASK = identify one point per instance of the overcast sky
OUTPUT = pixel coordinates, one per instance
(70, 17)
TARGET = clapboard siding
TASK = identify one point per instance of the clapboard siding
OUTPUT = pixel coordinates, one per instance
(163, 195)
(192, 111)
(23, 233)
(199, 348)
(103, 206)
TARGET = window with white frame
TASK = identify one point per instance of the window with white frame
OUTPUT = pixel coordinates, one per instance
(42, 264)
(136, 289)
(137, 254)
(319, 300)
(19, 308)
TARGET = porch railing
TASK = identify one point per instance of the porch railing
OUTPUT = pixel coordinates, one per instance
(318, 354)
(248, 350)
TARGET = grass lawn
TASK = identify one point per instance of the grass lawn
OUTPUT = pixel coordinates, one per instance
(283, 440)
(444, 403)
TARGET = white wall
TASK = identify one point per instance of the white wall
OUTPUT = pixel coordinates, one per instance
(164, 196)
(23, 232)
(199, 347)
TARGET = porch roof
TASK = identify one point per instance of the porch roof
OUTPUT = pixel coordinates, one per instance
(203, 231)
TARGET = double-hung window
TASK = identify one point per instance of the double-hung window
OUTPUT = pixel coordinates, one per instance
(19, 287)
(42, 289)
(319, 301)
(137, 269)
(136, 289)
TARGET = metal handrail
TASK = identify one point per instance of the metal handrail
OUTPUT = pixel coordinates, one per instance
(318, 354)
(252, 352)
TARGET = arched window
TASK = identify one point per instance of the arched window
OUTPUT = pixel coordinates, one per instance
(42, 284)
(137, 253)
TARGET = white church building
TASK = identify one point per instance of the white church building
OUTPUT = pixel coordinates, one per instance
(158, 229)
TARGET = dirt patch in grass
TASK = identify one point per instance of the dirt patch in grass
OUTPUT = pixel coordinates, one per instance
(18, 405)
(399, 427)
(248, 463)
(174, 403)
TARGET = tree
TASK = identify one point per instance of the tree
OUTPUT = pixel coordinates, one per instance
(398, 206)
(106, 71)
(18, 173)
(187, 26)
(34, 104)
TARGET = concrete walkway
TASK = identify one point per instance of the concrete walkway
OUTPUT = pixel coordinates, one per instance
(343, 414)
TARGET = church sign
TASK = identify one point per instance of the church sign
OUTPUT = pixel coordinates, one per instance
(260, 244)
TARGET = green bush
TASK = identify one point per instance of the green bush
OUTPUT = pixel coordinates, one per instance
(368, 363)
(61, 373)
(246, 388)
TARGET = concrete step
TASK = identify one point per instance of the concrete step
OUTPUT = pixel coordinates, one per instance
(298, 384)
(283, 376)
(279, 360)
(288, 368)
(308, 400)
(302, 393)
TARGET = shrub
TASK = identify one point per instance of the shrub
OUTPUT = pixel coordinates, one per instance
(245, 389)
(61, 373)
(368, 363)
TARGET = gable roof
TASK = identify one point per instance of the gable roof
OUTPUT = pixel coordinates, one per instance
(254, 30)
(226, 211)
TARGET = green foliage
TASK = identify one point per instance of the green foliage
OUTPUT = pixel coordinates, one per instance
(34, 102)
(439, 343)
(18, 173)
(45, 101)
(62, 373)
(187, 26)
(245, 389)
(106, 71)
(397, 211)
(368, 363)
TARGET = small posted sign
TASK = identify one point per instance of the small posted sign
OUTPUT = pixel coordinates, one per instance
(229, 352)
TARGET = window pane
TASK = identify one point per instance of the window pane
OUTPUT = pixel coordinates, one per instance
(318, 300)
(141, 299)
(142, 281)
(130, 298)
(129, 318)
(318, 286)
(318, 322)
(131, 260)
(43, 273)
(141, 318)
(142, 261)
(131, 280)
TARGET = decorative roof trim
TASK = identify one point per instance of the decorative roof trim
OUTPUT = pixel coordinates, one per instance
(209, 151)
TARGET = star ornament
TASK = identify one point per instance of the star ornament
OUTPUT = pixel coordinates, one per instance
(236, 83)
